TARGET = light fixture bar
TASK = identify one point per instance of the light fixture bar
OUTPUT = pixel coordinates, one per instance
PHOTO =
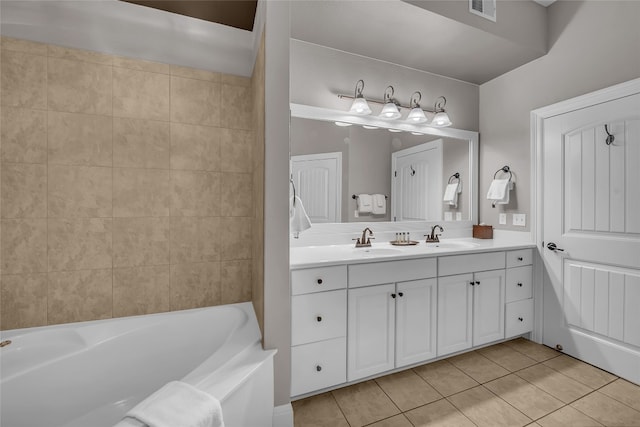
(376, 101)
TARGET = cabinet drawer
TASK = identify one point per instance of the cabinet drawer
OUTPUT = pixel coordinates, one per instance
(319, 316)
(519, 283)
(318, 279)
(318, 365)
(519, 257)
(519, 318)
(391, 272)
(460, 264)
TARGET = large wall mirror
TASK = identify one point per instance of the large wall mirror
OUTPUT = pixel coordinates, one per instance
(331, 163)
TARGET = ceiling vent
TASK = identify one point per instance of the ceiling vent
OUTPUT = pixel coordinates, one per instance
(484, 8)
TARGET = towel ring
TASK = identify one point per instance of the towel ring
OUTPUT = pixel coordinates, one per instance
(294, 190)
(355, 196)
(504, 169)
(454, 176)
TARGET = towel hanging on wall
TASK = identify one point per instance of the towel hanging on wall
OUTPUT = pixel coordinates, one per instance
(365, 203)
(379, 204)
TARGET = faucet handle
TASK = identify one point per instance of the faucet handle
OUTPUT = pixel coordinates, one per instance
(357, 239)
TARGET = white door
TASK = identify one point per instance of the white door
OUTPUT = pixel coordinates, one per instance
(415, 321)
(371, 327)
(488, 306)
(318, 182)
(591, 213)
(455, 305)
(416, 180)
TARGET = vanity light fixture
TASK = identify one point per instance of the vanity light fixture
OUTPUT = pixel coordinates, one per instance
(359, 105)
(416, 115)
(390, 109)
(441, 119)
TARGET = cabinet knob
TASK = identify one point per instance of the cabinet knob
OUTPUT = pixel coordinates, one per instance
(393, 295)
(477, 283)
(400, 293)
(520, 258)
(318, 368)
(472, 283)
(519, 284)
(520, 319)
(319, 318)
(319, 281)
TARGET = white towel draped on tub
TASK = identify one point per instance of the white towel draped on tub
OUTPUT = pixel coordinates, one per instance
(365, 203)
(499, 191)
(451, 194)
(379, 204)
(178, 404)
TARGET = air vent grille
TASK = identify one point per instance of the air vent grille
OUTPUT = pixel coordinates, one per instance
(484, 8)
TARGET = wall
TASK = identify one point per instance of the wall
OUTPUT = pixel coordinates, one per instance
(593, 44)
(125, 187)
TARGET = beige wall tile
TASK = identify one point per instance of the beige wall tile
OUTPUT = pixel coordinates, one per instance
(408, 390)
(23, 80)
(76, 244)
(237, 194)
(237, 107)
(24, 191)
(24, 301)
(141, 143)
(195, 285)
(195, 193)
(79, 191)
(24, 135)
(318, 411)
(234, 80)
(79, 55)
(79, 139)
(195, 239)
(195, 101)
(141, 65)
(79, 87)
(140, 290)
(364, 403)
(236, 150)
(25, 46)
(140, 94)
(194, 73)
(236, 281)
(24, 246)
(140, 192)
(440, 414)
(195, 147)
(76, 296)
(140, 241)
(235, 236)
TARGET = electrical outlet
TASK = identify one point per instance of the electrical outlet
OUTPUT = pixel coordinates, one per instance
(458, 216)
(519, 220)
(502, 219)
(448, 216)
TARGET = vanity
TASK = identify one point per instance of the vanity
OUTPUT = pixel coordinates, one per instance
(363, 312)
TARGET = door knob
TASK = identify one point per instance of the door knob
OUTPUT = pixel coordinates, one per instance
(553, 247)
(319, 281)
(393, 295)
(400, 294)
(318, 368)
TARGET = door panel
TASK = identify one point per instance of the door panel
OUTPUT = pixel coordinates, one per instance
(416, 321)
(318, 181)
(488, 307)
(455, 299)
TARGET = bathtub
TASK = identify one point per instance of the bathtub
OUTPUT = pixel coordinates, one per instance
(90, 374)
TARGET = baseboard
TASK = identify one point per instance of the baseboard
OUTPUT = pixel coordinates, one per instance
(283, 416)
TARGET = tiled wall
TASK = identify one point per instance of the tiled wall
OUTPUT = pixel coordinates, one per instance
(127, 187)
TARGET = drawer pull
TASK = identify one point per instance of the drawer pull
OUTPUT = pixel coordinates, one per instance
(319, 281)
(319, 318)
(477, 283)
(393, 295)
(521, 319)
(472, 283)
(400, 294)
(519, 284)
(318, 368)
(520, 258)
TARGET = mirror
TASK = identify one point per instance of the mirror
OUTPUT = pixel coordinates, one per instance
(346, 161)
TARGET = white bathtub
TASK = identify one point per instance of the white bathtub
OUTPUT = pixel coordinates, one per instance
(90, 374)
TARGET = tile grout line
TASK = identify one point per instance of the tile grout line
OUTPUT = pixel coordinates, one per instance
(339, 408)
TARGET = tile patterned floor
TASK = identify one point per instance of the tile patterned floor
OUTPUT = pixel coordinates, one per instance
(517, 383)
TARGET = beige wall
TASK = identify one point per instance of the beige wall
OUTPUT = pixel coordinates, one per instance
(126, 186)
(593, 45)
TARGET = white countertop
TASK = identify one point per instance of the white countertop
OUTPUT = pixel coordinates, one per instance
(318, 256)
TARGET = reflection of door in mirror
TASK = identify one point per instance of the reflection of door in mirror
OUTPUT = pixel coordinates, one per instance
(318, 182)
(417, 182)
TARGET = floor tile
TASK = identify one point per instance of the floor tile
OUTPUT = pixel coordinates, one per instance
(507, 357)
(568, 417)
(553, 382)
(408, 390)
(364, 403)
(478, 367)
(525, 397)
(535, 351)
(582, 372)
(486, 409)
(608, 411)
(623, 391)
(395, 421)
(438, 414)
(318, 411)
(445, 378)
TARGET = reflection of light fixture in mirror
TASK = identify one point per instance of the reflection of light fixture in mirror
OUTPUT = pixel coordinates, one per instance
(417, 133)
(441, 119)
(390, 110)
(394, 130)
(359, 105)
(416, 115)
(342, 124)
(370, 127)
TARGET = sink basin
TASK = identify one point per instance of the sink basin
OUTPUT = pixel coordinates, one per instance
(453, 245)
(376, 251)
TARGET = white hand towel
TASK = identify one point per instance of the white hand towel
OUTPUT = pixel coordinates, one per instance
(365, 203)
(451, 194)
(179, 404)
(298, 218)
(499, 191)
(379, 204)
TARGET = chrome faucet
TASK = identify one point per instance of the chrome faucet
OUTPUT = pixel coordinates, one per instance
(364, 242)
(433, 237)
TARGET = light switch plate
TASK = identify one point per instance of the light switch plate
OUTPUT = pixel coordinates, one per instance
(519, 220)
(448, 216)
(458, 216)
(502, 219)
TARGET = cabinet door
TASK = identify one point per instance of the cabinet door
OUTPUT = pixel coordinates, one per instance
(370, 333)
(455, 302)
(415, 321)
(488, 307)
